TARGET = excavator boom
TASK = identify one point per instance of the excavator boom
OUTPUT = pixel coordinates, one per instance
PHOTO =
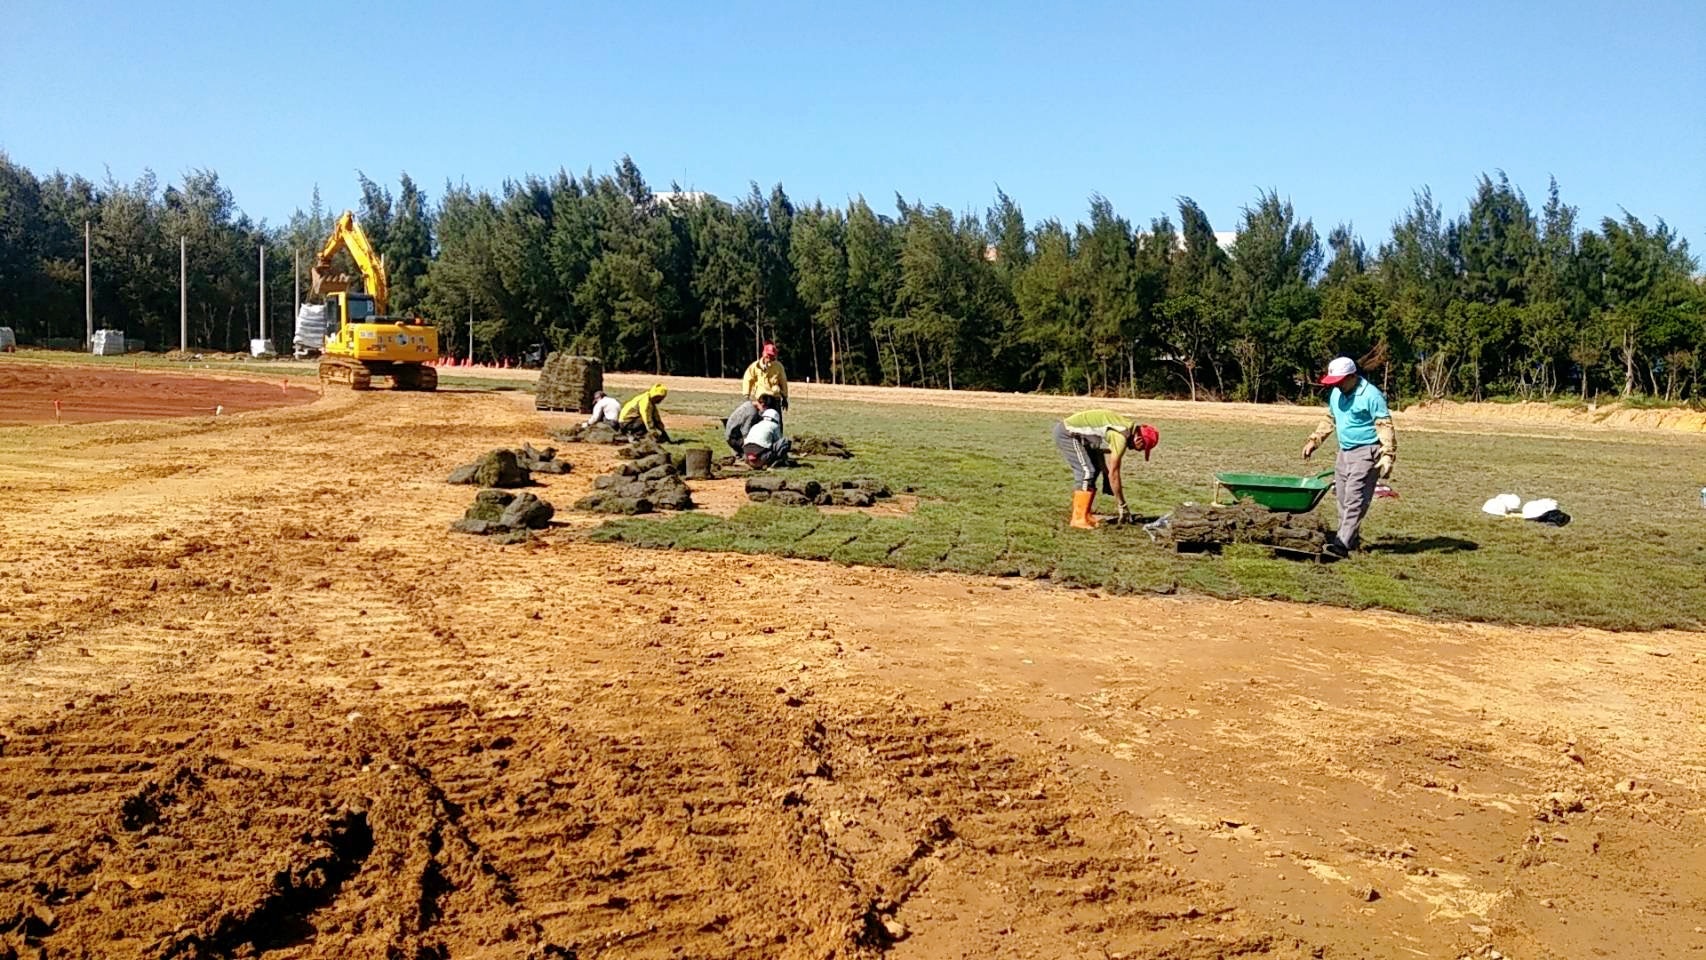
(348, 235)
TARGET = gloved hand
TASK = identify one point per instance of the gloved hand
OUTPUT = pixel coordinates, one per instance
(1309, 447)
(1383, 466)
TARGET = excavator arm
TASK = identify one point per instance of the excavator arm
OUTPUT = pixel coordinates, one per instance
(348, 235)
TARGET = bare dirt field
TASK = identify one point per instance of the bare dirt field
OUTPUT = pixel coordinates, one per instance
(257, 701)
(28, 393)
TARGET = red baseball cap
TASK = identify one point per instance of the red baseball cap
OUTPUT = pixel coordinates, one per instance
(1150, 437)
(770, 350)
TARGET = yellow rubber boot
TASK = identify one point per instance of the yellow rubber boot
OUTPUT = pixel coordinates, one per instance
(1082, 500)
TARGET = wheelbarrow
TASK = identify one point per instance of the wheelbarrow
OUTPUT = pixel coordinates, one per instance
(1284, 494)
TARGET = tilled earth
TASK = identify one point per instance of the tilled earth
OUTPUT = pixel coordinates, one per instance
(259, 702)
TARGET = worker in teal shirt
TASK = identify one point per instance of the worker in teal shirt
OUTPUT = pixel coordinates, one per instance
(1368, 445)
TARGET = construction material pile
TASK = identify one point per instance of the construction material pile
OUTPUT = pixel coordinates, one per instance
(107, 343)
(568, 383)
(644, 481)
(1208, 526)
(510, 468)
(789, 492)
(505, 516)
(810, 446)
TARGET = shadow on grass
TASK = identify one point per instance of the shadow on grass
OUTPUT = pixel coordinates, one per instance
(1410, 545)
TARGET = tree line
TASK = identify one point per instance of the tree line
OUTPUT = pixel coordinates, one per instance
(1502, 299)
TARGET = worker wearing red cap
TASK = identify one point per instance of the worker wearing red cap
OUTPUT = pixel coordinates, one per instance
(1368, 445)
(1093, 444)
(766, 377)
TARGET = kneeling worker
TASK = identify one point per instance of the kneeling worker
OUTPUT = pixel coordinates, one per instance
(605, 409)
(640, 415)
(1094, 443)
(1368, 444)
(765, 445)
(742, 419)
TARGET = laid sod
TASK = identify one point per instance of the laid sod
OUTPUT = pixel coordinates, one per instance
(994, 500)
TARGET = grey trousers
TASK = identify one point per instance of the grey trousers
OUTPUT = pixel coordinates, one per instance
(1355, 475)
(1087, 464)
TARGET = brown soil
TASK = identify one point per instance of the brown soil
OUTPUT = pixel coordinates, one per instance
(92, 394)
(257, 701)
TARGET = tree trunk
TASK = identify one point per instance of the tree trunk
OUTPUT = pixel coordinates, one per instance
(811, 331)
(657, 350)
(1628, 364)
(1191, 375)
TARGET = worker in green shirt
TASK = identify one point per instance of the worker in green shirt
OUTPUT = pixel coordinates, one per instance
(1093, 444)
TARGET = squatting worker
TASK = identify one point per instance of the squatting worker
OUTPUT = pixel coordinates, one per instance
(640, 415)
(766, 445)
(1094, 443)
(742, 418)
(766, 375)
(605, 409)
(1356, 412)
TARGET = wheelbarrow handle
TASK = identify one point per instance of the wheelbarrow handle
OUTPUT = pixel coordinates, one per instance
(1323, 475)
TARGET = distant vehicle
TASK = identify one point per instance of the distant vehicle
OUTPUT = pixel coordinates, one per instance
(535, 356)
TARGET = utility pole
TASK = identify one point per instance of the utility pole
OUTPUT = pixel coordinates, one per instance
(88, 294)
(263, 261)
(296, 281)
(470, 331)
(183, 294)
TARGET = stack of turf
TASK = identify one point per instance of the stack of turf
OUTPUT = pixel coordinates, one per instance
(597, 433)
(1196, 526)
(500, 468)
(505, 516)
(788, 492)
(568, 383)
(809, 446)
(510, 468)
(644, 481)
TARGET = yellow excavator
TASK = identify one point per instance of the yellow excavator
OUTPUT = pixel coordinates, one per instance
(362, 340)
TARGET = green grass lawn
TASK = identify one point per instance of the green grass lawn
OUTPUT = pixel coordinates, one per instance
(995, 499)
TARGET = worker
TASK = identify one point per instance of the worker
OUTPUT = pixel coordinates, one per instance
(765, 444)
(766, 375)
(1094, 444)
(640, 415)
(1368, 445)
(742, 418)
(605, 409)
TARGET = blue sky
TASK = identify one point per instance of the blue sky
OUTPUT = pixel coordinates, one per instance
(1345, 108)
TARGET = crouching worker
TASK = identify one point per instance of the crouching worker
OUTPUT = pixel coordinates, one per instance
(605, 409)
(744, 417)
(1094, 443)
(765, 445)
(640, 416)
(1368, 445)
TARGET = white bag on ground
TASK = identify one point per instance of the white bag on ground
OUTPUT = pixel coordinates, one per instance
(108, 343)
(1502, 505)
(1534, 509)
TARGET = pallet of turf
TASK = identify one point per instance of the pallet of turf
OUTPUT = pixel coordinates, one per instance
(567, 383)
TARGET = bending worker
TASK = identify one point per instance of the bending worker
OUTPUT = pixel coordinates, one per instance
(605, 409)
(640, 415)
(765, 444)
(1094, 444)
(742, 419)
(1356, 412)
(765, 375)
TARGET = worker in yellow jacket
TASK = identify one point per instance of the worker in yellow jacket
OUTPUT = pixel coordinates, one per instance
(640, 415)
(766, 376)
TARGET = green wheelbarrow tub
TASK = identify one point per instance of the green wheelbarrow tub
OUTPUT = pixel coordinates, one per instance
(1285, 494)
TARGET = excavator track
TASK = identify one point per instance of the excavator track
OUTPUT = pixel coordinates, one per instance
(342, 370)
(414, 376)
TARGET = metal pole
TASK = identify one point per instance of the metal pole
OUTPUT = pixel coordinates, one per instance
(296, 280)
(183, 294)
(88, 294)
(263, 260)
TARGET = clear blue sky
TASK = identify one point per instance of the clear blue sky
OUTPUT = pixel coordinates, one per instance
(1344, 107)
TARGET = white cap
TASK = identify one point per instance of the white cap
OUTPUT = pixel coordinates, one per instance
(1339, 369)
